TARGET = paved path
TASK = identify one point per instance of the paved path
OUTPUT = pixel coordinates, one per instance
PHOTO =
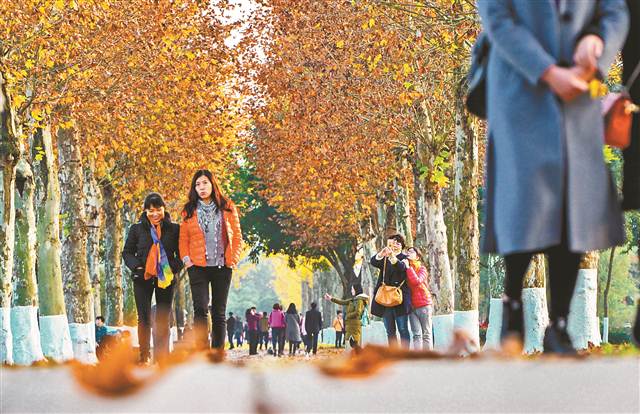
(268, 384)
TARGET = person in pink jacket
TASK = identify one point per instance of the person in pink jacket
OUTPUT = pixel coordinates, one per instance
(278, 325)
(422, 309)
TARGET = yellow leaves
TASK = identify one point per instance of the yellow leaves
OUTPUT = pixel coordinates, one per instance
(18, 100)
(340, 44)
(58, 4)
(37, 114)
(406, 69)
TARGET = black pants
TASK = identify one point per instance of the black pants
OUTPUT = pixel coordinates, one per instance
(230, 339)
(253, 342)
(263, 339)
(563, 272)
(338, 339)
(293, 347)
(277, 337)
(312, 342)
(143, 292)
(200, 278)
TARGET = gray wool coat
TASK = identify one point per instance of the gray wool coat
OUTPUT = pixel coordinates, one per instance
(545, 157)
(292, 332)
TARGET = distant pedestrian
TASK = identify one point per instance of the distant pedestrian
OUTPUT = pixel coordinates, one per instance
(338, 325)
(293, 329)
(278, 324)
(231, 328)
(313, 326)
(253, 320)
(239, 332)
(264, 331)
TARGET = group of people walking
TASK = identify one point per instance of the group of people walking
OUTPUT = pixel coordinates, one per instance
(208, 243)
(279, 327)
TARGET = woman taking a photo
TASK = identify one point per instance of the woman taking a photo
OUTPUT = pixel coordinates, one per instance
(151, 253)
(210, 247)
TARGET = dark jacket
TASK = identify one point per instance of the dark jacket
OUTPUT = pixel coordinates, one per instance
(313, 321)
(231, 324)
(395, 274)
(139, 242)
(630, 59)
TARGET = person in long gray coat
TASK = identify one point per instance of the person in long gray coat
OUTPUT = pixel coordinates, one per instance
(547, 186)
(292, 331)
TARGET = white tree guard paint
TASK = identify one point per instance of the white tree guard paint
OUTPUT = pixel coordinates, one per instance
(328, 336)
(492, 341)
(583, 313)
(536, 318)
(26, 336)
(55, 337)
(374, 333)
(6, 339)
(83, 340)
(467, 321)
(133, 330)
(605, 330)
(442, 331)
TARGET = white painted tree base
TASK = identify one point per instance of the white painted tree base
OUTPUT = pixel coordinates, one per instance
(133, 331)
(6, 339)
(492, 340)
(26, 336)
(83, 340)
(605, 330)
(55, 337)
(328, 336)
(536, 318)
(442, 331)
(583, 324)
(467, 321)
(374, 334)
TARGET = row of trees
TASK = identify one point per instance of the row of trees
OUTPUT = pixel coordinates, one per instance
(360, 130)
(105, 100)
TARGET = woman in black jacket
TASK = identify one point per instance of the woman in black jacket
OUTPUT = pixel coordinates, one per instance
(393, 272)
(151, 253)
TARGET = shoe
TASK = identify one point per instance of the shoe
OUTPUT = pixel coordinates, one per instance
(512, 321)
(556, 339)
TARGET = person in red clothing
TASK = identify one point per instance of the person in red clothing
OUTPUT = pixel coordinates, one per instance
(422, 309)
(252, 328)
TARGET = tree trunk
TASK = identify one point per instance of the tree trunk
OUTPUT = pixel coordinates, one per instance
(130, 314)
(94, 216)
(403, 211)
(77, 284)
(54, 326)
(605, 299)
(113, 257)
(440, 280)
(583, 324)
(9, 153)
(342, 259)
(368, 249)
(467, 233)
(534, 303)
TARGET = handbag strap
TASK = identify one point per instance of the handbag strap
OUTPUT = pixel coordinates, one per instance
(633, 77)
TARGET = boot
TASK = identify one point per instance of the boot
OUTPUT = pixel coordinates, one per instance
(556, 339)
(512, 320)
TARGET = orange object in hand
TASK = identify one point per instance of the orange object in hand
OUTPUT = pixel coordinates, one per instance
(618, 112)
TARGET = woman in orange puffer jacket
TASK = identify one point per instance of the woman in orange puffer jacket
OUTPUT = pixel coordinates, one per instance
(422, 309)
(210, 246)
